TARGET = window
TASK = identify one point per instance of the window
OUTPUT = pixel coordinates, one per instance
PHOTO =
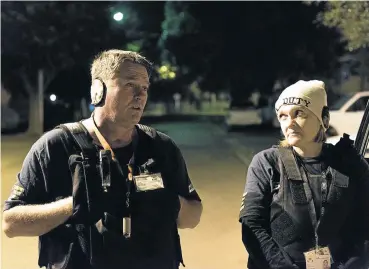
(341, 101)
(359, 105)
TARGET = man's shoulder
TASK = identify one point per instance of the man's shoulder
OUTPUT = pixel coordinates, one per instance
(156, 134)
(49, 138)
(54, 139)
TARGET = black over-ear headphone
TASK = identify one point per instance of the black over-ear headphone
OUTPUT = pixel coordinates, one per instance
(325, 114)
(98, 92)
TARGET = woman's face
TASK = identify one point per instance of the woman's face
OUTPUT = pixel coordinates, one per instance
(298, 124)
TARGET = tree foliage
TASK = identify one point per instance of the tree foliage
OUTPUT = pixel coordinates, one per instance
(53, 35)
(243, 46)
(352, 20)
(57, 35)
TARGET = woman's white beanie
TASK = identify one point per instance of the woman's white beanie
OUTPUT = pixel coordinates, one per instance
(310, 94)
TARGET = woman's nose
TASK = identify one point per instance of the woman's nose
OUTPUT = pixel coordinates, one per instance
(290, 122)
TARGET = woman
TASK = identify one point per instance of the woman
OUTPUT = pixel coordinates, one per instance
(306, 201)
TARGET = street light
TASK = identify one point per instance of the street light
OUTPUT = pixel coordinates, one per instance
(118, 16)
(52, 97)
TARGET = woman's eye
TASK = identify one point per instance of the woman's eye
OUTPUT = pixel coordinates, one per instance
(130, 84)
(300, 113)
(282, 116)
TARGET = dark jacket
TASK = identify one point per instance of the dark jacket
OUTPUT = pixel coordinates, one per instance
(276, 225)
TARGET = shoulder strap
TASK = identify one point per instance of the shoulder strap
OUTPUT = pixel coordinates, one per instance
(294, 173)
(289, 163)
(148, 130)
(153, 136)
(77, 133)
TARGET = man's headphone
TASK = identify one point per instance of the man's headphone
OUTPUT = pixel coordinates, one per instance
(98, 92)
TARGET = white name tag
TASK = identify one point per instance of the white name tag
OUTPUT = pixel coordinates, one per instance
(318, 259)
(147, 182)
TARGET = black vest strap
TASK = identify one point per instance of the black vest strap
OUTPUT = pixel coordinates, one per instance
(78, 133)
(294, 172)
(289, 162)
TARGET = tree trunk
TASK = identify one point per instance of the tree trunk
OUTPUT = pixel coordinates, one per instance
(36, 105)
(34, 123)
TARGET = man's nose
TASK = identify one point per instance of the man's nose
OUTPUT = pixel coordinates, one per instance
(139, 92)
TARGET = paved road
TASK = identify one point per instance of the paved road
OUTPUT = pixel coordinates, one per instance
(217, 163)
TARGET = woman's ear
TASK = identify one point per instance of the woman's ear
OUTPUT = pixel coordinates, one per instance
(325, 117)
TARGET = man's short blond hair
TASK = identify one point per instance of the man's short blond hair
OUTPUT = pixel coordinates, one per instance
(106, 64)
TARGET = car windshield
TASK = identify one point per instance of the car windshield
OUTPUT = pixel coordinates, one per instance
(341, 101)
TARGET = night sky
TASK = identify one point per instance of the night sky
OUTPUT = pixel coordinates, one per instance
(232, 46)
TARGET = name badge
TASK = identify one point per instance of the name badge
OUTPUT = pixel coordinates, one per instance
(148, 182)
(318, 258)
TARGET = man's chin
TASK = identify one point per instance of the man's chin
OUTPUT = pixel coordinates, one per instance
(136, 117)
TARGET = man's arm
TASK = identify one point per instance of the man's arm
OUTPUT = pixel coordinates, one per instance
(189, 214)
(31, 209)
(191, 207)
(36, 220)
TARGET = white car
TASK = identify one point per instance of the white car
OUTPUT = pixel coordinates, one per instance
(242, 115)
(346, 114)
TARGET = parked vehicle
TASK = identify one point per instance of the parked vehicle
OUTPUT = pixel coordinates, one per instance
(242, 114)
(347, 113)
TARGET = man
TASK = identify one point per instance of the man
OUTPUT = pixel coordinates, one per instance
(129, 224)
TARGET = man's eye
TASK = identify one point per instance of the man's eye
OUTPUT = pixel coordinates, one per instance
(130, 84)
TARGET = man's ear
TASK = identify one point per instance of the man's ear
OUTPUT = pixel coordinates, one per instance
(325, 117)
(98, 92)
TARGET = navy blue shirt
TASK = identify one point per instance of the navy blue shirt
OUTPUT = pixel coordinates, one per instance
(45, 175)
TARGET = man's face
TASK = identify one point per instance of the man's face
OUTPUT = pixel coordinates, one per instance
(126, 95)
(299, 125)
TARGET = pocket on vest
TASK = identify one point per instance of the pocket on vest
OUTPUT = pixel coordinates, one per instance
(283, 229)
(298, 192)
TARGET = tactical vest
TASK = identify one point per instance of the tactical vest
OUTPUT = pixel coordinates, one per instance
(291, 217)
(155, 237)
